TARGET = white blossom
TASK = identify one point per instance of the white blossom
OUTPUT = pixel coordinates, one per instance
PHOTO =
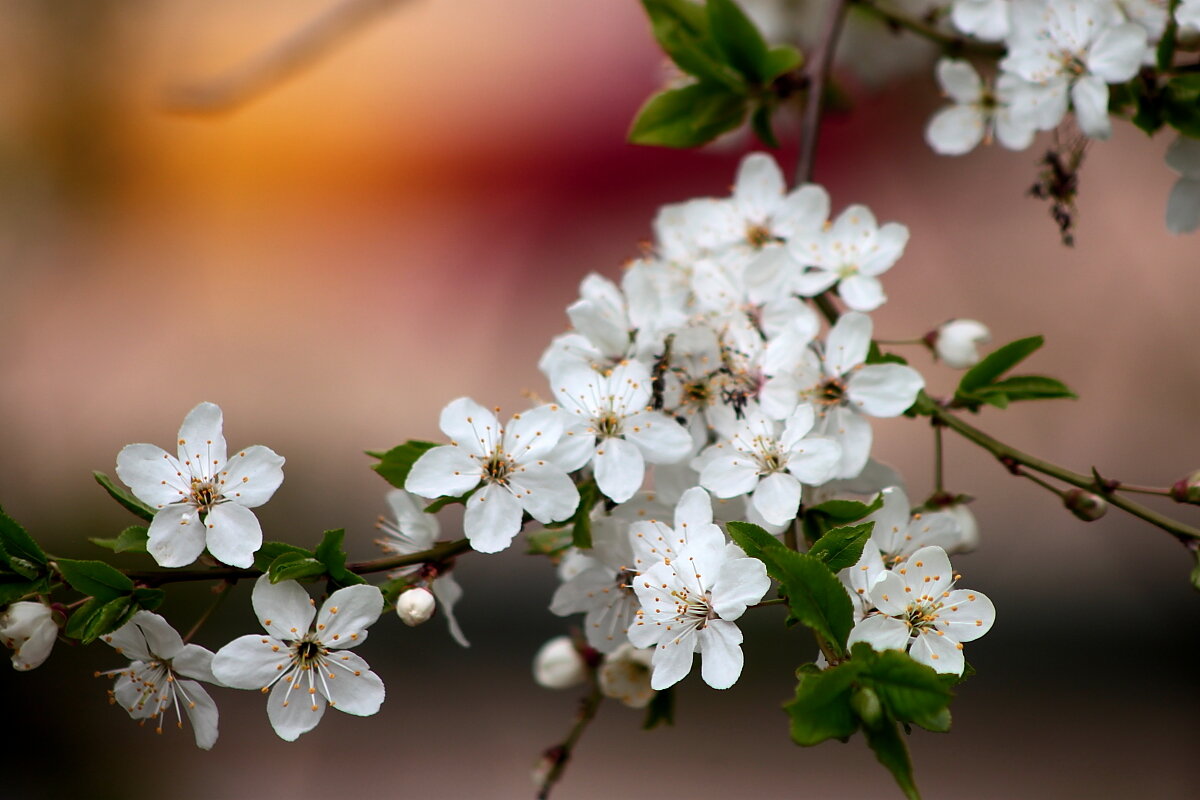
(203, 496)
(510, 465)
(852, 253)
(303, 660)
(156, 682)
(919, 610)
(899, 533)
(984, 19)
(625, 675)
(415, 606)
(1183, 203)
(614, 427)
(689, 604)
(978, 110)
(29, 630)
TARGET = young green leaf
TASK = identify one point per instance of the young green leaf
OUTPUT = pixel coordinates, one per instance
(149, 598)
(892, 752)
(127, 500)
(581, 531)
(16, 587)
(688, 116)
(739, 41)
(94, 578)
(270, 551)
(131, 540)
(815, 596)
(681, 28)
(842, 512)
(908, 690)
(780, 59)
(1025, 387)
(330, 553)
(15, 543)
(998, 362)
(760, 122)
(821, 709)
(395, 464)
(295, 567)
(842, 547)
(107, 618)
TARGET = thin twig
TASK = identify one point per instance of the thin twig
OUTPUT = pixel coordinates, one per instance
(222, 591)
(300, 50)
(816, 75)
(560, 754)
(949, 42)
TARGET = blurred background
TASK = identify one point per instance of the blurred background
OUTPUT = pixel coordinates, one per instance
(403, 223)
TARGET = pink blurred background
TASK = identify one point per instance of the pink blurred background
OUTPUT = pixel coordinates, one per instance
(404, 224)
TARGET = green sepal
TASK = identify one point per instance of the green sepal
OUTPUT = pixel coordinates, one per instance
(18, 550)
(392, 589)
(998, 362)
(330, 553)
(739, 41)
(892, 752)
(814, 595)
(661, 710)
(440, 503)
(395, 464)
(689, 116)
(842, 547)
(821, 709)
(131, 540)
(270, 551)
(681, 29)
(94, 578)
(127, 500)
(295, 567)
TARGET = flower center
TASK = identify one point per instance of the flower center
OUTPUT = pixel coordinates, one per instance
(921, 616)
(692, 610)
(204, 494)
(498, 467)
(307, 652)
(608, 426)
(759, 235)
(830, 393)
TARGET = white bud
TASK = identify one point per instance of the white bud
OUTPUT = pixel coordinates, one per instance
(968, 528)
(415, 606)
(558, 664)
(625, 675)
(957, 342)
(29, 630)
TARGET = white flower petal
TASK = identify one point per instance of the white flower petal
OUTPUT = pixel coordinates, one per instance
(201, 713)
(1183, 206)
(815, 460)
(848, 342)
(889, 594)
(884, 390)
(619, 468)
(445, 471)
(533, 434)
(1117, 53)
(346, 615)
(672, 659)
(234, 534)
(251, 476)
(161, 639)
(881, 632)
(940, 652)
(759, 187)
(201, 443)
(721, 656)
(966, 615)
(927, 573)
(251, 661)
(862, 292)
(958, 79)
(194, 661)
(545, 491)
(283, 608)
(470, 426)
(661, 439)
(492, 519)
(350, 684)
(777, 497)
(176, 536)
(1089, 96)
(292, 710)
(741, 582)
(447, 592)
(152, 474)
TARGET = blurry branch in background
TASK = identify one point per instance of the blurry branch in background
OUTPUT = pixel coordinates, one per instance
(298, 51)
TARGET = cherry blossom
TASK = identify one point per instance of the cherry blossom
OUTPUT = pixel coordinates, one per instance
(203, 496)
(29, 630)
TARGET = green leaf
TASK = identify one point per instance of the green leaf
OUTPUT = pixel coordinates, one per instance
(1164, 54)
(330, 553)
(661, 710)
(842, 547)
(739, 41)
(15, 587)
(938, 722)
(442, 502)
(908, 690)
(149, 598)
(760, 122)
(80, 617)
(131, 540)
(1181, 104)
(841, 512)
(15, 543)
(548, 542)
(892, 752)
(395, 464)
(998, 362)
(1026, 387)
(295, 567)
(581, 532)
(815, 596)
(270, 551)
(123, 497)
(688, 116)
(780, 59)
(681, 29)
(877, 356)
(821, 709)
(94, 578)
(108, 617)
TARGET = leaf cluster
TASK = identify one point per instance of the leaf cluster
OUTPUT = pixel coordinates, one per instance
(985, 383)
(735, 73)
(23, 565)
(287, 562)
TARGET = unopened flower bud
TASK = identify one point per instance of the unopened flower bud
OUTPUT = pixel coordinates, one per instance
(866, 706)
(415, 606)
(1187, 490)
(1087, 506)
(957, 342)
(29, 630)
(558, 664)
